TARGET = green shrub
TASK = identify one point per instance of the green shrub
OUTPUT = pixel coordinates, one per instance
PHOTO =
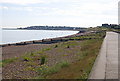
(56, 46)
(42, 59)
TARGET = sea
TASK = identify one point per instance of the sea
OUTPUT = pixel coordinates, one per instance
(13, 36)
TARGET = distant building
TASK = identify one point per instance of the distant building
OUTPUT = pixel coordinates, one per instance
(106, 25)
(115, 26)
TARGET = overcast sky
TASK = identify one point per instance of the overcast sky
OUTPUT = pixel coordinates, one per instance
(80, 13)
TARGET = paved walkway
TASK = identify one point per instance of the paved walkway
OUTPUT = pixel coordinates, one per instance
(106, 64)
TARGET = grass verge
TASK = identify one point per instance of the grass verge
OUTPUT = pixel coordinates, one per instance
(81, 69)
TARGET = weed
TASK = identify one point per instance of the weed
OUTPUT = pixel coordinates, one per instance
(68, 46)
(46, 49)
(31, 63)
(42, 59)
(57, 67)
(63, 64)
(40, 52)
(7, 61)
(29, 68)
(56, 46)
(84, 76)
(53, 69)
(26, 58)
(42, 70)
(31, 54)
(80, 57)
(65, 55)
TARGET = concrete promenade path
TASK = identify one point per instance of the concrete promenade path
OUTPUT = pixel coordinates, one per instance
(106, 64)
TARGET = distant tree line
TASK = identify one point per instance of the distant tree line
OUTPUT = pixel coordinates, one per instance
(52, 28)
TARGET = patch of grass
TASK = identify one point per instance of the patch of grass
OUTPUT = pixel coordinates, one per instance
(29, 68)
(8, 61)
(63, 64)
(81, 69)
(53, 69)
(57, 67)
(32, 54)
(35, 55)
(46, 49)
(27, 58)
(80, 57)
(68, 43)
(65, 55)
(41, 51)
(31, 63)
(89, 36)
(44, 70)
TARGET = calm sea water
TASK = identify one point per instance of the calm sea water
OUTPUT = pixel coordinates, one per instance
(13, 36)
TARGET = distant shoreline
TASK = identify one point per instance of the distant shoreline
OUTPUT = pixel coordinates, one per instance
(35, 29)
(58, 33)
(48, 28)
